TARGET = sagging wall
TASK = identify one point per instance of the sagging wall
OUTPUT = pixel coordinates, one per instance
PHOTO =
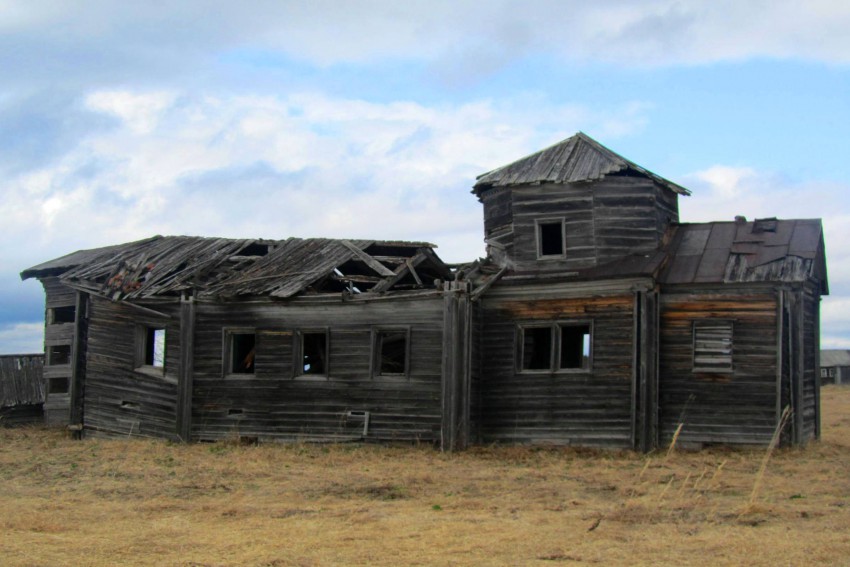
(351, 402)
(592, 407)
(121, 398)
(737, 406)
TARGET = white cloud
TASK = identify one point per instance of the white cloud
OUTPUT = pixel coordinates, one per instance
(304, 164)
(22, 338)
(458, 40)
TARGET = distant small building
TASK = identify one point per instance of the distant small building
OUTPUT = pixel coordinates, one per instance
(835, 366)
(21, 389)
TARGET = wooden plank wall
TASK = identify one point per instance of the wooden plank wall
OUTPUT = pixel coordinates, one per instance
(584, 408)
(21, 389)
(811, 387)
(604, 220)
(57, 405)
(120, 400)
(737, 407)
(273, 404)
(572, 202)
(624, 217)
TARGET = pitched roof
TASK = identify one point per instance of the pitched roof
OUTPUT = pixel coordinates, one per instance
(577, 159)
(834, 357)
(761, 250)
(222, 267)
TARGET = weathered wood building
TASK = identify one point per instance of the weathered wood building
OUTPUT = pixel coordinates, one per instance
(835, 366)
(597, 318)
(21, 389)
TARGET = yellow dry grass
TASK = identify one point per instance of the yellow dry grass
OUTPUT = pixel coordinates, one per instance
(139, 502)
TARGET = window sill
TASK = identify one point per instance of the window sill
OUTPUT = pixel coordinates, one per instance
(391, 377)
(155, 372)
(239, 376)
(312, 377)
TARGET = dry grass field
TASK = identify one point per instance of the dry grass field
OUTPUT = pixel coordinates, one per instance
(139, 502)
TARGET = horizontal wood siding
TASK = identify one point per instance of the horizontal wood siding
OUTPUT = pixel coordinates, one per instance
(273, 403)
(583, 408)
(624, 217)
(731, 407)
(604, 220)
(573, 203)
(119, 399)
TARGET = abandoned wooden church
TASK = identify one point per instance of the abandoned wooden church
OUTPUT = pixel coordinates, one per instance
(597, 318)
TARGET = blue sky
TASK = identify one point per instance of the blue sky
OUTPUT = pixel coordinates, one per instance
(372, 119)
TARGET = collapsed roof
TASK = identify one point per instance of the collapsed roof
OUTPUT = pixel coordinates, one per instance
(220, 267)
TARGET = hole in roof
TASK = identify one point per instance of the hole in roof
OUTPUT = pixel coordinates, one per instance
(255, 249)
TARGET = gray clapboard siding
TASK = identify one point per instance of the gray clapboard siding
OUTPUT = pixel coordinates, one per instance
(737, 406)
(591, 408)
(274, 403)
(119, 399)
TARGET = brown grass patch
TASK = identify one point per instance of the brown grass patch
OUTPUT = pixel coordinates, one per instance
(139, 502)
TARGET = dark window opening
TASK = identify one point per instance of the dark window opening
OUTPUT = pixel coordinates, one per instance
(713, 346)
(537, 348)
(60, 315)
(255, 249)
(314, 349)
(154, 347)
(242, 351)
(59, 354)
(58, 386)
(575, 346)
(551, 238)
(235, 411)
(392, 352)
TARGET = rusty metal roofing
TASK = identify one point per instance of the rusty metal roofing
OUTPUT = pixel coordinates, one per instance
(222, 267)
(577, 159)
(761, 250)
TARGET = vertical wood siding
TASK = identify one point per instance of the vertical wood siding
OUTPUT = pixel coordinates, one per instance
(584, 408)
(731, 407)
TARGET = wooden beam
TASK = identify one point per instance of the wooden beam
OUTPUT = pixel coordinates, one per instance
(399, 274)
(368, 260)
(186, 369)
(78, 363)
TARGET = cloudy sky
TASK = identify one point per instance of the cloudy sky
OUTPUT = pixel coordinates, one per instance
(369, 119)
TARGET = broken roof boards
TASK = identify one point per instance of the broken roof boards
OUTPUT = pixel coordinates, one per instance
(597, 318)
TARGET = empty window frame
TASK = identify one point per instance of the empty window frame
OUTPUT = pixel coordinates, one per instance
(239, 351)
(313, 352)
(61, 315)
(551, 238)
(58, 386)
(713, 346)
(391, 352)
(58, 355)
(559, 346)
(150, 349)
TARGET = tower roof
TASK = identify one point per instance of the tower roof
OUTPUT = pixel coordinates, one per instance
(577, 159)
